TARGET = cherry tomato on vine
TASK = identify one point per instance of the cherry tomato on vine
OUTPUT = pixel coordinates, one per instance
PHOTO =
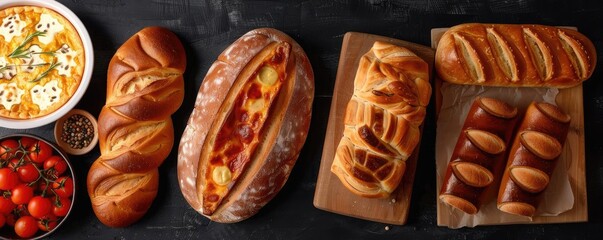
(27, 142)
(39, 152)
(39, 206)
(63, 209)
(47, 223)
(26, 226)
(28, 173)
(8, 179)
(6, 205)
(21, 194)
(8, 148)
(57, 163)
(21, 210)
(63, 186)
(13, 164)
(44, 188)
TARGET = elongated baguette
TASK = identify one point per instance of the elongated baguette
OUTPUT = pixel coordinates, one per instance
(532, 159)
(514, 55)
(250, 121)
(479, 155)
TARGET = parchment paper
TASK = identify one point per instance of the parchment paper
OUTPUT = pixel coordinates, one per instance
(456, 101)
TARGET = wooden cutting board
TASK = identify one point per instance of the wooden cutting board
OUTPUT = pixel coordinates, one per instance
(330, 194)
(571, 101)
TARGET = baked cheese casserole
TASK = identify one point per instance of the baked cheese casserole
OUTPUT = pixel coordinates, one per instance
(41, 61)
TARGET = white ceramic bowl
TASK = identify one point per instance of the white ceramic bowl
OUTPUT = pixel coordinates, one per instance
(89, 63)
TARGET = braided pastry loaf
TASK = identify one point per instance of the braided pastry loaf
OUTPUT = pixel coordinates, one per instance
(144, 87)
(391, 91)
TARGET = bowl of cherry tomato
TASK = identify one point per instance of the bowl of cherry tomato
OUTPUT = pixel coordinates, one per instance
(36, 187)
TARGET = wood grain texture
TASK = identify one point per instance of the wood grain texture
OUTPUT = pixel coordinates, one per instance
(330, 194)
(571, 101)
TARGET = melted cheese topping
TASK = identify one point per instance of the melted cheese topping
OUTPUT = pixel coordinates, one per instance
(7, 71)
(66, 59)
(11, 27)
(10, 94)
(44, 50)
(239, 135)
(49, 26)
(33, 60)
(47, 95)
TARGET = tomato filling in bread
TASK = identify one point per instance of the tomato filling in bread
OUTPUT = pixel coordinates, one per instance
(238, 137)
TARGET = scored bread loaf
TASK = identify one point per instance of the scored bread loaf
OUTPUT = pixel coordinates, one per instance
(144, 87)
(250, 121)
(532, 159)
(479, 154)
(514, 55)
(382, 120)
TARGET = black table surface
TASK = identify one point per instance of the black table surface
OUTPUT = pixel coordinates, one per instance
(207, 27)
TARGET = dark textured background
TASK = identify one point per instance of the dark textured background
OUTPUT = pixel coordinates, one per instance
(207, 27)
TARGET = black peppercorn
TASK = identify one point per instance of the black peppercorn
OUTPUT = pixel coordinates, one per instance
(78, 131)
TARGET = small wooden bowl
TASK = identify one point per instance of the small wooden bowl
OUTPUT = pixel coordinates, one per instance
(58, 130)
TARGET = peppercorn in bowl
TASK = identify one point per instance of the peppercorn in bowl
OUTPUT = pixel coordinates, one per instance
(46, 61)
(37, 186)
(76, 132)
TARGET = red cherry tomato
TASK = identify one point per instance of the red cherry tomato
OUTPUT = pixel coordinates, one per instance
(8, 179)
(27, 142)
(13, 164)
(61, 208)
(44, 188)
(39, 152)
(39, 206)
(26, 226)
(21, 194)
(21, 210)
(6, 205)
(28, 173)
(8, 148)
(63, 186)
(2, 220)
(48, 223)
(57, 164)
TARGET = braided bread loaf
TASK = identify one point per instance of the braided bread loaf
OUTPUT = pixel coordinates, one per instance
(144, 87)
(391, 91)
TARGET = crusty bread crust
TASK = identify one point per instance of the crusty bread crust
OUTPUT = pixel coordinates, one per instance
(532, 159)
(478, 156)
(382, 120)
(510, 55)
(144, 88)
(281, 138)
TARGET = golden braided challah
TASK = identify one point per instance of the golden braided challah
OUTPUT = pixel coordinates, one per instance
(382, 119)
(144, 87)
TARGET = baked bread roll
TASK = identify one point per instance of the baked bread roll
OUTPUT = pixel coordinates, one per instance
(382, 119)
(510, 55)
(250, 121)
(532, 159)
(144, 87)
(479, 154)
